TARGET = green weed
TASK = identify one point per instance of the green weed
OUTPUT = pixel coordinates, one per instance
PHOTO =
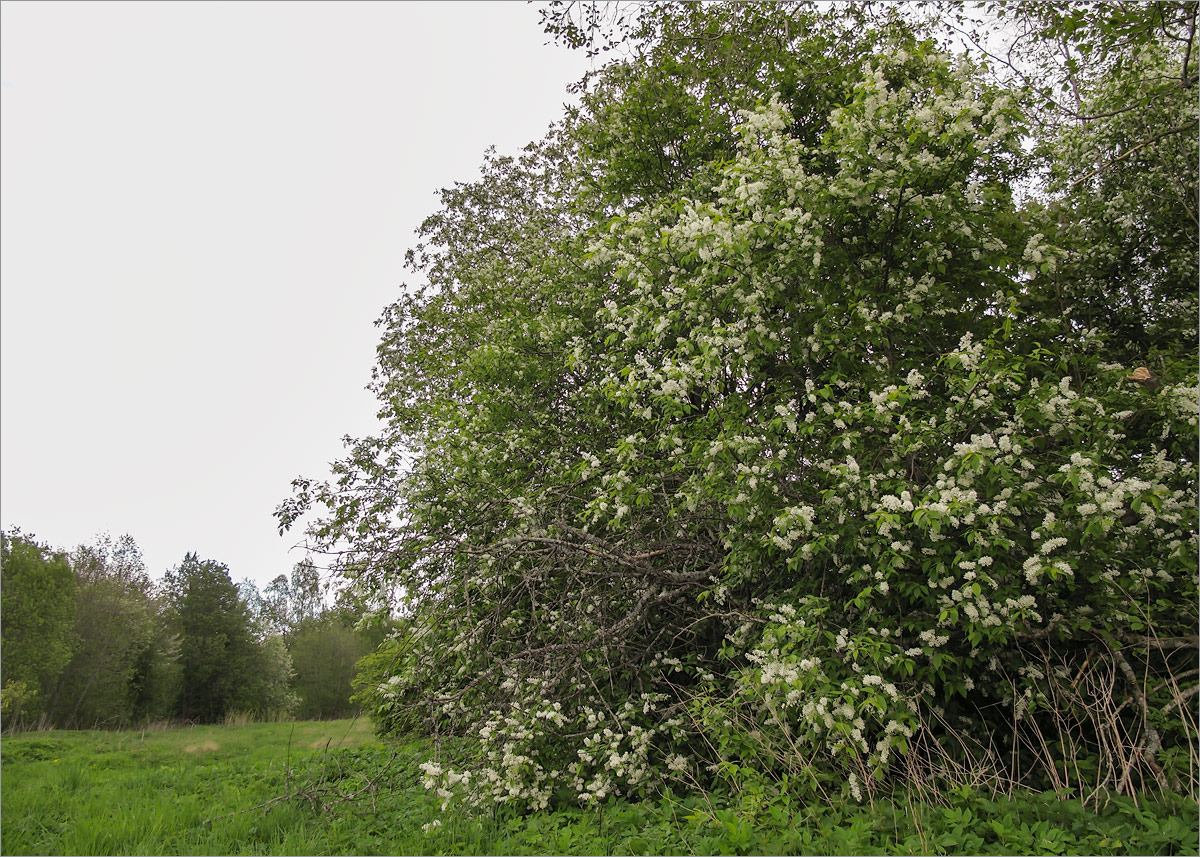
(331, 788)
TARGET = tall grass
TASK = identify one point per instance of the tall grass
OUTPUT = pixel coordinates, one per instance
(242, 717)
(159, 791)
(332, 788)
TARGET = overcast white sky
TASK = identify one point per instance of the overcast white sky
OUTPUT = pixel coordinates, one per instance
(205, 206)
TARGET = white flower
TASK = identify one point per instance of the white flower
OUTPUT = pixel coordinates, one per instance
(677, 763)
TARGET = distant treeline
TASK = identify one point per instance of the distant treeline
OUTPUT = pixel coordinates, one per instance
(90, 641)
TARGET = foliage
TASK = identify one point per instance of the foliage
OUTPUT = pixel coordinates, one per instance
(324, 651)
(219, 661)
(269, 688)
(776, 819)
(284, 604)
(376, 688)
(323, 644)
(1114, 87)
(36, 614)
(15, 697)
(120, 650)
(109, 679)
(751, 422)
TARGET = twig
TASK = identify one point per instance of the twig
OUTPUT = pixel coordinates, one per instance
(1181, 698)
(323, 795)
(1191, 642)
(1142, 145)
(1153, 740)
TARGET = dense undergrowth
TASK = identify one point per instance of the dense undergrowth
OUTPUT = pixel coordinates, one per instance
(771, 820)
(328, 788)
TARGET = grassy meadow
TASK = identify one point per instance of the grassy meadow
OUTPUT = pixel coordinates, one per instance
(333, 788)
(161, 792)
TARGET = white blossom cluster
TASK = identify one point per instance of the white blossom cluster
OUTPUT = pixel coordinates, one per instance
(820, 378)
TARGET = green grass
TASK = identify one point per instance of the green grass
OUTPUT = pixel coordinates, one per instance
(152, 792)
(201, 790)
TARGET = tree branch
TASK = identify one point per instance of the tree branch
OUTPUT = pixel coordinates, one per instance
(1192, 642)
(1153, 739)
(1179, 130)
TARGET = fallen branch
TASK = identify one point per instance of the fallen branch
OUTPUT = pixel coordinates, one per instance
(321, 796)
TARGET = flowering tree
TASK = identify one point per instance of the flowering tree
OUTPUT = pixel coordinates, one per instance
(751, 422)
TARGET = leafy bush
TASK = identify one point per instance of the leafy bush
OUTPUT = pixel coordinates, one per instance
(752, 428)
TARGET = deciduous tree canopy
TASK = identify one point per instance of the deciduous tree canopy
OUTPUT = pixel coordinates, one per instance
(36, 614)
(806, 402)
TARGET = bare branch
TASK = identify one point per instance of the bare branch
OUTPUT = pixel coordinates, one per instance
(1192, 642)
